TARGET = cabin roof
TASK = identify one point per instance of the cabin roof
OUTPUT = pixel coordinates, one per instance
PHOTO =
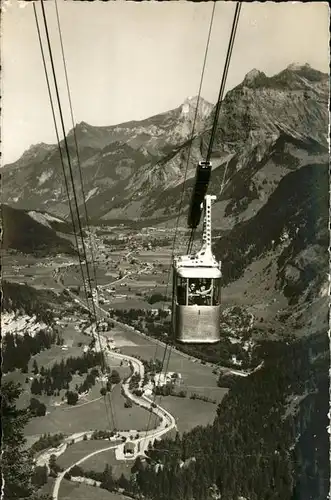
(199, 272)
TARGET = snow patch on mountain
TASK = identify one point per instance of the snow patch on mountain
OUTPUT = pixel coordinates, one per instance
(44, 177)
(44, 219)
(91, 193)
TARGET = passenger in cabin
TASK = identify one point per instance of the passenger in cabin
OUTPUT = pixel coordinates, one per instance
(203, 298)
(198, 292)
(191, 295)
(203, 290)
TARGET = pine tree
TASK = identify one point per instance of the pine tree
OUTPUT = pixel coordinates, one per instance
(137, 466)
(35, 369)
(16, 461)
(40, 476)
(53, 465)
(108, 482)
(115, 377)
(123, 482)
(36, 387)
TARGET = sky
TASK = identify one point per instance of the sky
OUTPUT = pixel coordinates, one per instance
(132, 60)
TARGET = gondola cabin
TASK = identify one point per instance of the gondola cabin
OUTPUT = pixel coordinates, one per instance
(196, 305)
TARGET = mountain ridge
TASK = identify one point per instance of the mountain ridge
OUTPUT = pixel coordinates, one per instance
(36, 233)
(127, 167)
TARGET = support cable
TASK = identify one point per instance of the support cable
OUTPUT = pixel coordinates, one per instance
(59, 148)
(81, 179)
(68, 154)
(74, 190)
(75, 139)
(219, 101)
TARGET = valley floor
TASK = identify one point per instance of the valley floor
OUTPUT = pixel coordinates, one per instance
(125, 284)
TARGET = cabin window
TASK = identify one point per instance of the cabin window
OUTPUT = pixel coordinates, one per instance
(181, 291)
(200, 291)
(216, 291)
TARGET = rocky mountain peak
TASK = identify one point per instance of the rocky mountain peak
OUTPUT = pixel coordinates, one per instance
(36, 147)
(253, 75)
(308, 73)
(81, 127)
(189, 106)
(36, 152)
(298, 66)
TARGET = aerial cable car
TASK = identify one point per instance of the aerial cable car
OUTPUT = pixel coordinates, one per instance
(196, 306)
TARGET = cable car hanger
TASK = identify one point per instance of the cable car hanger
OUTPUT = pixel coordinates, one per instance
(196, 297)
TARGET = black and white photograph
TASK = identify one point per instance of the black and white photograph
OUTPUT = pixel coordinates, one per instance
(165, 250)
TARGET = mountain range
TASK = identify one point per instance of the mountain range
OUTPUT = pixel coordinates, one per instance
(268, 127)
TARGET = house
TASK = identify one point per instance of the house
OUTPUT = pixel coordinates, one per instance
(129, 448)
(162, 378)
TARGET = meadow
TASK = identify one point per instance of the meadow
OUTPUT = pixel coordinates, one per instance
(70, 490)
(94, 415)
(188, 413)
(97, 463)
(194, 374)
(79, 450)
(27, 269)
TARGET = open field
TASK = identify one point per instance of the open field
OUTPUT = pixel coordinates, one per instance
(48, 358)
(72, 275)
(79, 450)
(31, 270)
(56, 354)
(73, 337)
(189, 413)
(97, 463)
(75, 491)
(193, 373)
(71, 332)
(130, 303)
(158, 256)
(90, 416)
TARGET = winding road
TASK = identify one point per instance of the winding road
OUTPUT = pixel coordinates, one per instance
(167, 421)
(59, 478)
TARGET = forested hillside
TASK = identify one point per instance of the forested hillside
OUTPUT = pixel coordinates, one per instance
(254, 448)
